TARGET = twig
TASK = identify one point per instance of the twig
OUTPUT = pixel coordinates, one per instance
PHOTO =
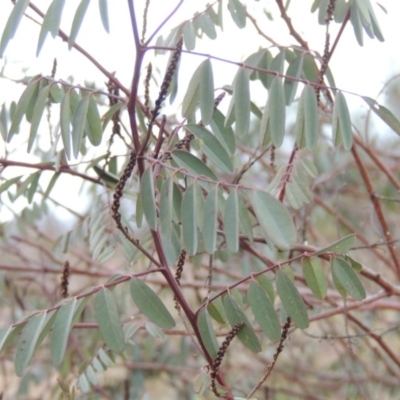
(377, 207)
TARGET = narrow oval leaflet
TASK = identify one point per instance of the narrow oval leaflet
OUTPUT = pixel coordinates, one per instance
(264, 311)
(79, 123)
(207, 332)
(150, 304)
(314, 276)
(341, 122)
(12, 24)
(103, 8)
(37, 115)
(235, 315)
(61, 330)
(93, 127)
(348, 279)
(274, 219)
(27, 342)
(22, 106)
(147, 195)
(310, 117)
(189, 225)
(192, 95)
(216, 310)
(206, 91)
(189, 36)
(212, 148)
(107, 317)
(241, 98)
(341, 246)
(290, 85)
(166, 205)
(192, 163)
(210, 221)
(231, 221)
(291, 300)
(77, 22)
(277, 111)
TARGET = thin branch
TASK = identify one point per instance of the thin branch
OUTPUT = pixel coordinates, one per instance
(164, 22)
(377, 207)
(49, 167)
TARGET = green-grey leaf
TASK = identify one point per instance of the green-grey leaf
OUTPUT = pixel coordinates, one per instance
(207, 332)
(290, 85)
(384, 114)
(94, 131)
(78, 124)
(12, 24)
(241, 98)
(103, 8)
(341, 246)
(27, 342)
(314, 276)
(51, 22)
(357, 267)
(166, 204)
(348, 279)
(147, 194)
(192, 95)
(189, 36)
(210, 221)
(189, 225)
(150, 304)
(356, 22)
(264, 311)
(62, 327)
(244, 220)
(77, 22)
(291, 300)
(192, 163)
(231, 221)
(224, 134)
(65, 122)
(341, 123)
(238, 13)
(206, 91)
(37, 115)
(106, 313)
(216, 310)
(22, 106)
(274, 219)
(212, 148)
(266, 284)
(235, 315)
(277, 111)
(310, 117)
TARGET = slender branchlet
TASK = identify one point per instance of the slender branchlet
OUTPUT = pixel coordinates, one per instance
(279, 349)
(325, 58)
(120, 187)
(178, 273)
(147, 87)
(220, 356)
(65, 280)
(145, 12)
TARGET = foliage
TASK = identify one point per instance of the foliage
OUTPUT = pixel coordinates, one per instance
(192, 263)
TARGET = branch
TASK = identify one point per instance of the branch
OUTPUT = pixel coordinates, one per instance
(49, 167)
(377, 207)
